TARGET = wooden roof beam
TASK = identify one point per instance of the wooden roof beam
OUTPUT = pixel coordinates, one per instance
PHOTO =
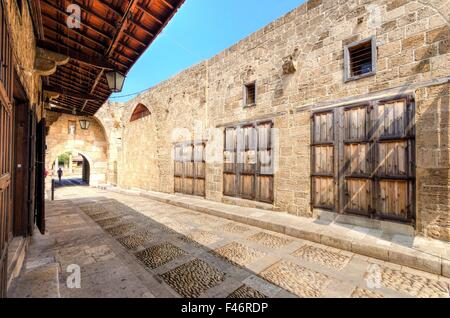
(58, 38)
(143, 27)
(168, 4)
(73, 54)
(83, 35)
(66, 92)
(149, 14)
(83, 8)
(134, 38)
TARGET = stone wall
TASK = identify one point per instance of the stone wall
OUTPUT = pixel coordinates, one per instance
(91, 143)
(412, 40)
(24, 51)
(433, 161)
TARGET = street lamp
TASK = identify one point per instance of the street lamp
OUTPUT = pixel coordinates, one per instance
(115, 81)
(84, 124)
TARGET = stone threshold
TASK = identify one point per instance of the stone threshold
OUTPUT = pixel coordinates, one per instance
(16, 257)
(417, 252)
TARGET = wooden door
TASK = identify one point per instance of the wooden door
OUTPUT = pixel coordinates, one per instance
(190, 168)
(22, 170)
(6, 133)
(32, 171)
(248, 162)
(358, 161)
(394, 137)
(40, 175)
(265, 168)
(363, 160)
(323, 175)
(199, 169)
(230, 165)
(178, 168)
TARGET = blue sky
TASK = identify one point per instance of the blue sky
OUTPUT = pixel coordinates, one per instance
(200, 29)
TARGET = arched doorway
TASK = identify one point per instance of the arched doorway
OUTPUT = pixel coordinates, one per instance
(74, 167)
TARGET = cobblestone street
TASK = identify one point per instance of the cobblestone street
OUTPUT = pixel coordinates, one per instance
(131, 246)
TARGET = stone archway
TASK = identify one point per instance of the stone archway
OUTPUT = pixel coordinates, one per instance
(91, 144)
(76, 172)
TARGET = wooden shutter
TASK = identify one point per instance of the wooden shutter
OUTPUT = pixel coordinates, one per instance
(265, 178)
(247, 160)
(200, 169)
(394, 159)
(40, 176)
(190, 168)
(357, 159)
(230, 162)
(188, 164)
(323, 176)
(178, 169)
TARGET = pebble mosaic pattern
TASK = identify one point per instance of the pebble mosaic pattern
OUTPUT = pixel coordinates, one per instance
(365, 293)
(413, 285)
(202, 237)
(246, 292)
(194, 278)
(269, 240)
(109, 222)
(238, 254)
(122, 229)
(297, 279)
(159, 255)
(134, 241)
(322, 256)
(101, 216)
(93, 209)
(234, 228)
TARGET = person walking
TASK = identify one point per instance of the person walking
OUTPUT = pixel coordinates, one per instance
(60, 173)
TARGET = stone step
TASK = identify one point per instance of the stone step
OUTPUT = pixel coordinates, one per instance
(430, 256)
(37, 282)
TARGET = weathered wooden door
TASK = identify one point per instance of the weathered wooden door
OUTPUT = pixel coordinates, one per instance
(6, 133)
(363, 159)
(358, 167)
(248, 162)
(323, 172)
(394, 148)
(190, 168)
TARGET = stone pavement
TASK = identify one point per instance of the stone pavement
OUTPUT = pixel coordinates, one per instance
(387, 241)
(133, 246)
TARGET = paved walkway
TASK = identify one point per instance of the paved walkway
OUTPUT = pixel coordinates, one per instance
(132, 246)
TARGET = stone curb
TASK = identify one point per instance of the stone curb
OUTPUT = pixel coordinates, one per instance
(370, 247)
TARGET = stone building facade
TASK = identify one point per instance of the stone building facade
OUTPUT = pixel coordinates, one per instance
(297, 64)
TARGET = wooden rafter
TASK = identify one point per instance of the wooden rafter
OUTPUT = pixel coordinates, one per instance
(112, 35)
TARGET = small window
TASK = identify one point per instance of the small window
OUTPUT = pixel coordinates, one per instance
(140, 112)
(360, 59)
(250, 94)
